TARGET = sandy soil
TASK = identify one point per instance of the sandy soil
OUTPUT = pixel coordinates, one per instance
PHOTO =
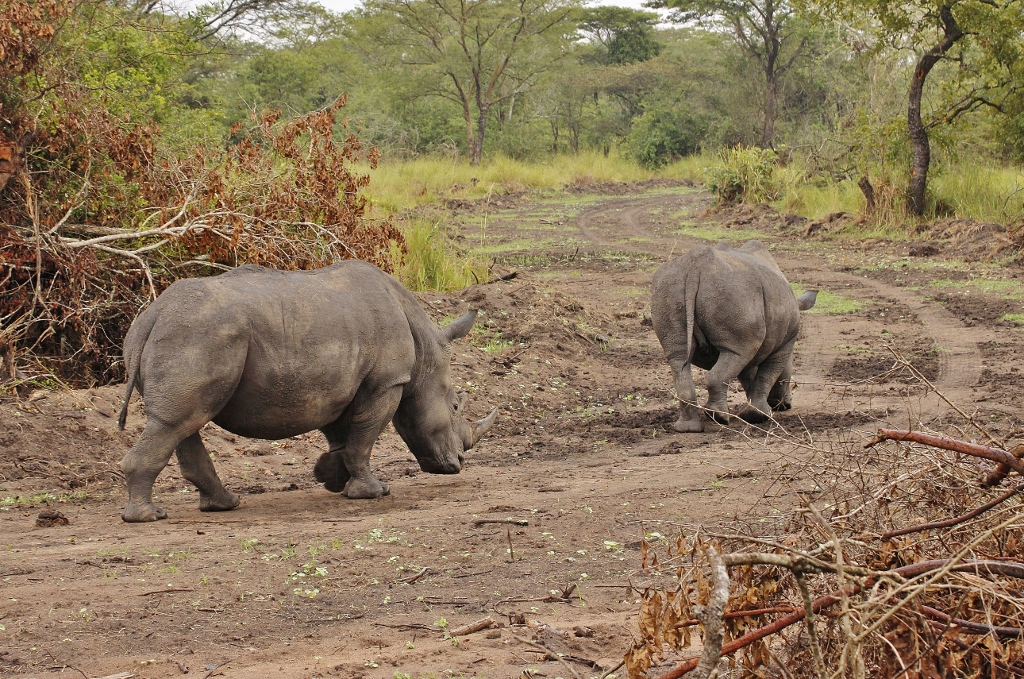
(298, 582)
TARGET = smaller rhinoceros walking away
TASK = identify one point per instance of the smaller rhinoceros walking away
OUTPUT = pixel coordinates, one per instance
(731, 312)
(271, 354)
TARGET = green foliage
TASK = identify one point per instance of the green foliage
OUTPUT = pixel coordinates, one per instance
(620, 35)
(744, 175)
(667, 132)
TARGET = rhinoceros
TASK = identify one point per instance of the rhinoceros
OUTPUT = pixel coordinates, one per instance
(730, 311)
(271, 354)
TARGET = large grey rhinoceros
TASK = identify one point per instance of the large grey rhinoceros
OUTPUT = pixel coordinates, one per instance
(271, 354)
(731, 312)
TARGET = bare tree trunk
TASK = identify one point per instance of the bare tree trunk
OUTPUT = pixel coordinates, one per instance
(869, 194)
(476, 151)
(922, 154)
(771, 108)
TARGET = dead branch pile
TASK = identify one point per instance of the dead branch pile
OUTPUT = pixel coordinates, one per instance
(99, 213)
(900, 562)
(82, 255)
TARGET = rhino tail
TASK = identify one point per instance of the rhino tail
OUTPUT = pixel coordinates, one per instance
(134, 343)
(692, 284)
(123, 417)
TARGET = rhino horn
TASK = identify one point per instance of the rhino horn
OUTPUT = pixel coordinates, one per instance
(480, 427)
(460, 327)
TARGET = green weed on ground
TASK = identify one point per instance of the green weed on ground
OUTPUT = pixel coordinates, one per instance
(21, 501)
(1003, 288)
(399, 186)
(716, 234)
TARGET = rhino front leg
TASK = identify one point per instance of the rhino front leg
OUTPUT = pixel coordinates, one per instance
(726, 369)
(351, 440)
(768, 374)
(689, 414)
(197, 468)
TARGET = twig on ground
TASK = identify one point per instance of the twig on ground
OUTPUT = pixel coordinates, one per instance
(482, 624)
(514, 522)
(413, 578)
(548, 653)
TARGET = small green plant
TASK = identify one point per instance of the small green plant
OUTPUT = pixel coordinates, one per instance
(249, 544)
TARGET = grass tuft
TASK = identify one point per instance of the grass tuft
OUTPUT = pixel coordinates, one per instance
(432, 262)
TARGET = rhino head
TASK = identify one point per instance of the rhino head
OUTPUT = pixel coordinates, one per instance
(430, 418)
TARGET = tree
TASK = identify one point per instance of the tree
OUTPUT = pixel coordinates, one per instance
(475, 53)
(624, 35)
(767, 32)
(981, 40)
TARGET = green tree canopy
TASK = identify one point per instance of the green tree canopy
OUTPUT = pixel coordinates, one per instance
(475, 53)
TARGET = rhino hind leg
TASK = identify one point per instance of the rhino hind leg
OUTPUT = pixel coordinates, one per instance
(142, 465)
(759, 410)
(197, 468)
(690, 420)
(727, 368)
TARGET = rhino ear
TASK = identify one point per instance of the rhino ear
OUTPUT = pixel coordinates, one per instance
(806, 300)
(460, 327)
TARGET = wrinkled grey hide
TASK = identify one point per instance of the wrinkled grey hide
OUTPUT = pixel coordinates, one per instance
(271, 354)
(731, 312)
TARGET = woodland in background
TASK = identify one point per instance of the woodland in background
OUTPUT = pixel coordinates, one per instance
(140, 142)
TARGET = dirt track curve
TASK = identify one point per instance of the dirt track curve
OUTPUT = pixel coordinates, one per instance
(301, 583)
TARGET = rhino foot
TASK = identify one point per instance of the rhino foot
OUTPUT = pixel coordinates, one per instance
(754, 415)
(365, 489)
(143, 513)
(221, 502)
(688, 426)
(331, 472)
(719, 416)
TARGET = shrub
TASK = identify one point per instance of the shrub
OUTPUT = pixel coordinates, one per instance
(745, 175)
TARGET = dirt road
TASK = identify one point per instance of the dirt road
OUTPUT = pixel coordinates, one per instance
(302, 583)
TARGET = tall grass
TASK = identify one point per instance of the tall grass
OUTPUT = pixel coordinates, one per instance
(399, 186)
(989, 193)
(971, 190)
(985, 193)
(432, 262)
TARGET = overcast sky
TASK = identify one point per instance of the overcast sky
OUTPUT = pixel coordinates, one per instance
(346, 5)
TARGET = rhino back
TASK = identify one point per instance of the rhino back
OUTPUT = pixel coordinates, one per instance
(288, 351)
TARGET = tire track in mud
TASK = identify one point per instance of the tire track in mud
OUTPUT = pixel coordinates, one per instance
(960, 362)
(956, 345)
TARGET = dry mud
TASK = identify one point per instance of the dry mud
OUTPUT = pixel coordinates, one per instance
(298, 582)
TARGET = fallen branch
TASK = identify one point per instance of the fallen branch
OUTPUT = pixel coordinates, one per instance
(973, 449)
(413, 578)
(1008, 568)
(482, 624)
(739, 614)
(167, 591)
(711, 616)
(974, 627)
(946, 523)
(548, 653)
(514, 522)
